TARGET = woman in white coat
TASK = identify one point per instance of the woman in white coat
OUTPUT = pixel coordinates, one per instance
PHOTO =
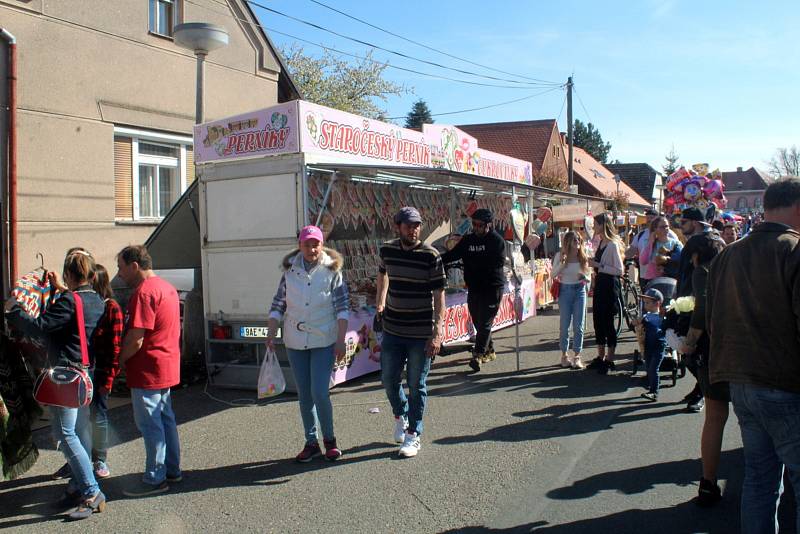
(313, 304)
(605, 304)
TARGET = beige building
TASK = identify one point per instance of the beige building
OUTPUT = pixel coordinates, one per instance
(105, 109)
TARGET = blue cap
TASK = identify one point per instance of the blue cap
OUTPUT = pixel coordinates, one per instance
(407, 214)
(654, 294)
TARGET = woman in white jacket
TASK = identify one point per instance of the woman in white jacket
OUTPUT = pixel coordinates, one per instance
(605, 304)
(313, 303)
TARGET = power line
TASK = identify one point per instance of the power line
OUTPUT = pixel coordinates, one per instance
(489, 106)
(335, 50)
(400, 54)
(563, 102)
(584, 107)
(427, 47)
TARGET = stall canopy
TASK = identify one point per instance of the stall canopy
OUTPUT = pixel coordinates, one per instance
(175, 243)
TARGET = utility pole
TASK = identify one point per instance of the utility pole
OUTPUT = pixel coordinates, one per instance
(569, 128)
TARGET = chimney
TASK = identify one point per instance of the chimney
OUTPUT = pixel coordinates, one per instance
(563, 138)
(738, 169)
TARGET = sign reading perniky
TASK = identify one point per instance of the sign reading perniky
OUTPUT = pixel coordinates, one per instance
(333, 136)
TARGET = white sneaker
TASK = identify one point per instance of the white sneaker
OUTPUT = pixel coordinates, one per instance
(565, 360)
(400, 426)
(410, 447)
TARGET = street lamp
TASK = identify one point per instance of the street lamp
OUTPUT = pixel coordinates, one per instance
(201, 38)
(618, 179)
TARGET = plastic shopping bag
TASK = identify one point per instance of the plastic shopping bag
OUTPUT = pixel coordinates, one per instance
(270, 378)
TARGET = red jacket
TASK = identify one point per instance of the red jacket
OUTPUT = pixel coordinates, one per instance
(106, 345)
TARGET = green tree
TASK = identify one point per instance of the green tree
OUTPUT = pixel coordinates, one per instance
(420, 114)
(354, 87)
(587, 137)
(672, 162)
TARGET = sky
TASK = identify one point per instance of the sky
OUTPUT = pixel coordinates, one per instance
(718, 80)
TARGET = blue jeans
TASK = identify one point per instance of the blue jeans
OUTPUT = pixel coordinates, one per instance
(152, 411)
(653, 361)
(99, 418)
(397, 352)
(312, 373)
(769, 420)
(71, 427)
(572, 309)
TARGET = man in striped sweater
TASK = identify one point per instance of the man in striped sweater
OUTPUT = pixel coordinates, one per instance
(410, 297)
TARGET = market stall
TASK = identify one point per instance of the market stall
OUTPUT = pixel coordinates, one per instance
(298, 163)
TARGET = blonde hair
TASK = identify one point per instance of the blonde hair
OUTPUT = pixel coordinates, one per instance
(573, 240)
(604, 225)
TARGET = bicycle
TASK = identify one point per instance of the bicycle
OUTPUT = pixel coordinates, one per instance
(629, 305)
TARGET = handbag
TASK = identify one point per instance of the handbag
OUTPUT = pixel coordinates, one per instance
(555, 288)
(65, 386)
(270, 378)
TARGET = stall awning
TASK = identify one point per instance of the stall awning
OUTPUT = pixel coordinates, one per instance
(175, 243)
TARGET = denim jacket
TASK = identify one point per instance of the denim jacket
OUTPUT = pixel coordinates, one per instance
(59, 324)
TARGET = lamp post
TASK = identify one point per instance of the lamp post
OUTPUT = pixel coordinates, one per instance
(201, 38)
(618, 179)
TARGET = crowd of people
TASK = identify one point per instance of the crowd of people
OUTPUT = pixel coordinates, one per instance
(742, 338)
(85, 329)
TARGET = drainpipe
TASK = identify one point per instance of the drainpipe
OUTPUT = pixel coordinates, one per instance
(12, 153)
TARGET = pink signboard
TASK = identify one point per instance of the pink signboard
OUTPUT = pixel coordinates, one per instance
(339, 136)
(268, 131)
(364, 344)
(456, 150)
(334, 136)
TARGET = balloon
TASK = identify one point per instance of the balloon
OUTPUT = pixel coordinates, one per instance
(692, 191)
(713, 189)
(533, 241)
(679, 174)
(544, 214)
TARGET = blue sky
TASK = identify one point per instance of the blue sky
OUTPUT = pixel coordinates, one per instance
(719, 80)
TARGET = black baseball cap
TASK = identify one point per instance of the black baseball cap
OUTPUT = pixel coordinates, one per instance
(483, 215)
(693, 214)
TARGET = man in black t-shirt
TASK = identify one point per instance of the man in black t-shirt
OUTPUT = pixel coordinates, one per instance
(483, 254)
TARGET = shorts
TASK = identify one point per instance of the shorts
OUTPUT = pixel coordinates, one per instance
(718, 391)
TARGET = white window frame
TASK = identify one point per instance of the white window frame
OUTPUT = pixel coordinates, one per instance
(177, 9)
(183, 143)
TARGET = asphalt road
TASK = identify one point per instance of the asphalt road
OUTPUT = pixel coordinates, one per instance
(542, 449)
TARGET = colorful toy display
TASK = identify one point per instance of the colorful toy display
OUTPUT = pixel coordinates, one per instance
(695, 187)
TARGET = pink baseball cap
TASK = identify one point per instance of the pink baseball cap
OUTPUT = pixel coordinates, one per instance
(310, 232)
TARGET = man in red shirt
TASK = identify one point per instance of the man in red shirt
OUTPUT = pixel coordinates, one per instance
(152, 358)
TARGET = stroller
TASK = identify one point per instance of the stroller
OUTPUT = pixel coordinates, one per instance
(672, 363)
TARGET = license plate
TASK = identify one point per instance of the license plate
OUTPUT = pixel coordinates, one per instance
(254, 331)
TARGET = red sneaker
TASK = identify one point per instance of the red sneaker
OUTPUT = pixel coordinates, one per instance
(308, 453)
(332, 452)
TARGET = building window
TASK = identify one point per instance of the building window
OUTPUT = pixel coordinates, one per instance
(164, 15)
(741, 203)
(757, 203)
(556, 151)
(151, 171)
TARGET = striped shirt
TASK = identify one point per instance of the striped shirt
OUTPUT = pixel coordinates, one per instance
(413, 277)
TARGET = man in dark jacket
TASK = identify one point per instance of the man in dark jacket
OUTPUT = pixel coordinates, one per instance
(698, 231)
(483, 252)
(753, 314)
